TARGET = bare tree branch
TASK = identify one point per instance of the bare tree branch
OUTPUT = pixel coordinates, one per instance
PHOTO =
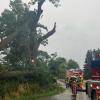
(48, 34)
(42, 26)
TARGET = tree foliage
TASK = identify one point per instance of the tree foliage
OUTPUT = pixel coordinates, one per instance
(57, 66)
(71, 64)
(91, 55)
(87, 65)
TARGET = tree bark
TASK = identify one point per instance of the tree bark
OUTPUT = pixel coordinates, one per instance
(4, 42)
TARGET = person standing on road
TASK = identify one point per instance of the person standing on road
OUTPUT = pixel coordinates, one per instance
(81, 84)
(74, 88)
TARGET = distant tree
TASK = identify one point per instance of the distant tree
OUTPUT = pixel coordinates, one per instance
(71, 64)
(61, 62)
(87, 69)
(58, 66)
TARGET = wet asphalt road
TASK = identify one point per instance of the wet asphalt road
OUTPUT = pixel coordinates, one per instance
(68, 96)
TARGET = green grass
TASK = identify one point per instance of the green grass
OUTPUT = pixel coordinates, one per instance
(42, 95)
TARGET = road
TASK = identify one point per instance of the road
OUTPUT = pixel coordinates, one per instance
(68, 96)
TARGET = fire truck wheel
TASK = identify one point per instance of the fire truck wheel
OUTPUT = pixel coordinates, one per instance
(93, 95)
(86, 88)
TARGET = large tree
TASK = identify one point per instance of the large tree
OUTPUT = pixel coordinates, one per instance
(21, 30)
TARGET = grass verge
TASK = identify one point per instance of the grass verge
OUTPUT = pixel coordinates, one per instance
(42, 95)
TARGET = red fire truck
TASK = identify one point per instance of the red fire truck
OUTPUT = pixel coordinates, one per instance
(73, 74)
(93, 84)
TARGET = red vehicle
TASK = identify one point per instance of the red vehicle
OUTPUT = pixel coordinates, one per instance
(73, 75)
(93, 85)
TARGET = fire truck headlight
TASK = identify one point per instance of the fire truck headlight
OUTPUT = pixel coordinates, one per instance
(91, 85)
(98, 87)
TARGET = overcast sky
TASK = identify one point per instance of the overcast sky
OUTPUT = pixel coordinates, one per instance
(78, 27)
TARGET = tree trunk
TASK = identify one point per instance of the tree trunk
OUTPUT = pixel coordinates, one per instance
(5, 42)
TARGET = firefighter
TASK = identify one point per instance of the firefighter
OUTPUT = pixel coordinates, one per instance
(81, 83)
(74, 88)
(73, 84)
